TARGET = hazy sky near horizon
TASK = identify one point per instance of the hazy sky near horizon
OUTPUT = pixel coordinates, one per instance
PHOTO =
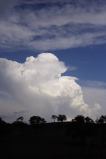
(52, 58)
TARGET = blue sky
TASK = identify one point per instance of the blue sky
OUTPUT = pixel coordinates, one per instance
(73, 30)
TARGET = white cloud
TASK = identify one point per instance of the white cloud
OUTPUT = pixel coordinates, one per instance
(66, 14)
(68, 42)
(37, 86)
(96, 95)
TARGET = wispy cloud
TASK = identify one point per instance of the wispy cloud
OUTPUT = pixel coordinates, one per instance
(94, 84)
(45, 25)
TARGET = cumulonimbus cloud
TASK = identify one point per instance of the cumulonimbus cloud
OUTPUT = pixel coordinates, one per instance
(39, 87)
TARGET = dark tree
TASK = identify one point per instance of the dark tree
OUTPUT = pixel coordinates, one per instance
(20, 119)
(61, 117)
(43, 120)
(2, 121)
(88, 120)
(79, 119)
(101, 120)
(54, 117)
(36, 120)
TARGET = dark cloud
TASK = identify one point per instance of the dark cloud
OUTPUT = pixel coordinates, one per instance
(6, 6)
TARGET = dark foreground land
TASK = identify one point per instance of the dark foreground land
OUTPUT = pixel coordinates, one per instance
(53, 141)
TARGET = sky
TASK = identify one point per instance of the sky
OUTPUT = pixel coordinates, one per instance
(52, 58)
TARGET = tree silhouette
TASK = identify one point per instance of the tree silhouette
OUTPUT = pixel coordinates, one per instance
(101, 120)
(88, 120)
(54, 117)
(20, 119)
(79, 119)
(42, 120)
(2, 121)
(36, 120)
(61, 118)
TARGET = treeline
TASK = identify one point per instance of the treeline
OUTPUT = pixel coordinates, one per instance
(80, 138)
(33, 120)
